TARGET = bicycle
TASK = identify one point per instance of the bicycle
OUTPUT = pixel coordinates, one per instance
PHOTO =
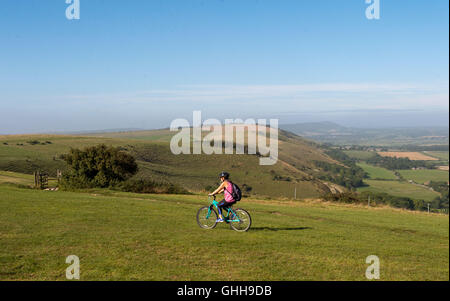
(239, 219)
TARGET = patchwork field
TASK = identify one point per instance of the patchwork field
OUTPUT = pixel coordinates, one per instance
(424, 175)
(398, 188)
(124, 236)
(409, 155)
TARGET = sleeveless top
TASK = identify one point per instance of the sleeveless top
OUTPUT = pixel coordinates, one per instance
(228, 192)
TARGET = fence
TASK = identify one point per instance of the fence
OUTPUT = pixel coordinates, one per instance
(41, 179)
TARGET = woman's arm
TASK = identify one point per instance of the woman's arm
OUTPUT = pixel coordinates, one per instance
(219, 189)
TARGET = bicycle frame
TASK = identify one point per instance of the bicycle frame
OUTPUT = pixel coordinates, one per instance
(229, 211)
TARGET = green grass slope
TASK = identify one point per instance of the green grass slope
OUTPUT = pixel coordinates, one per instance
(123, 236)
(295, 167)
(376, 172)
(440, 155)
(422, 176)
(400, 188)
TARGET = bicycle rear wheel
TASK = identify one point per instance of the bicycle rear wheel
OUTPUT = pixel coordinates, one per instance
(207, 218)
(240, 221)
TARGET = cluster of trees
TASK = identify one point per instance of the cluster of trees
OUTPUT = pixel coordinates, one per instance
(387, 199)
(281, 178)
(406, 147)
(34, 142)
(277, 177)
(442, 188)
(439, 186)
(31, 142)
(359, 147)
(350, 176)
(393, 163)
(342, 157)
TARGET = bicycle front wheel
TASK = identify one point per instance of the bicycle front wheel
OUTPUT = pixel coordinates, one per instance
(240, 221)
(207, 218)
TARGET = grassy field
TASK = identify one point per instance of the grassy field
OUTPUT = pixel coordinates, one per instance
(440, 155)
(18, 155)
(16, 178)
(123, 236)
(398, 188)
(377, 172)
(9, 177)
(384, 180)
(423, 175)
(163, 135)
(360, 155)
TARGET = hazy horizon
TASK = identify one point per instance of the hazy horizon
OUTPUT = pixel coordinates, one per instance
(146, 64)
(381, 121)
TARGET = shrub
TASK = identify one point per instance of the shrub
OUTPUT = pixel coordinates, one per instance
(343, 197)
(246, 188)
(33, 142)
(98, 166)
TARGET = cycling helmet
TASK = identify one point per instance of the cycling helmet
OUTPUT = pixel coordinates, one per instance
(224, 174)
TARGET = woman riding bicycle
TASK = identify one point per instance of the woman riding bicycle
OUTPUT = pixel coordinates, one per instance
(227, 188)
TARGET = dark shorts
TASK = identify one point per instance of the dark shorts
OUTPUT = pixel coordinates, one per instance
(224, 204)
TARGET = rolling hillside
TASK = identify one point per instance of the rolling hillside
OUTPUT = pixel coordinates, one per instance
(295, 169)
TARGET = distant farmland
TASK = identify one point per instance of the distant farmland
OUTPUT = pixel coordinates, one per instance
(400, 189)
(376, 172)
(360, 155)
(440, 155)
(423, 175)
(410, 155)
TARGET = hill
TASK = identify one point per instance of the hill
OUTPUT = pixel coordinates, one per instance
(295, 169)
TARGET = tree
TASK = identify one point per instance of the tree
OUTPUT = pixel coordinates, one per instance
(99, 166)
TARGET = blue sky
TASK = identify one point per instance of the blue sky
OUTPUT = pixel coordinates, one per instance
(143, 63)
